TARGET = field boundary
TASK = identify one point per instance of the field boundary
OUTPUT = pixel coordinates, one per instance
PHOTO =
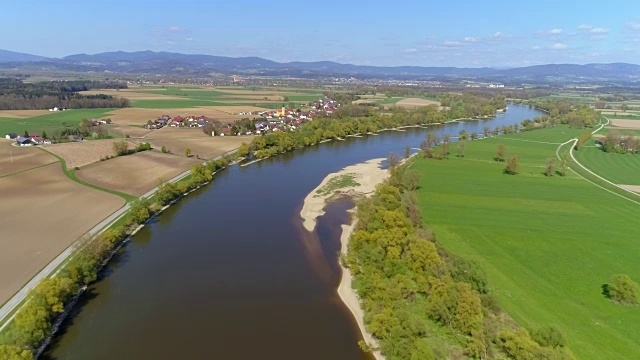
(600, 178)
(10, 307)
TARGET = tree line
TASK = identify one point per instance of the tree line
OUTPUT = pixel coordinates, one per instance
(343, 124)
(17, 95)
(408, 283)
(32, 324)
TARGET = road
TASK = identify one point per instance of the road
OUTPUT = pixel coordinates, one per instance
(19, 297)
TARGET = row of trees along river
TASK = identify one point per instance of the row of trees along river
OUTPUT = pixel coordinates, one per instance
(229, 271)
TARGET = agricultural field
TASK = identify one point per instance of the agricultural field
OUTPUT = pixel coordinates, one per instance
(42, 212)
(202, 145)
(547, 244)
(413, 103)
(632, 124)
(617, 168)
(14, 159)
(50, 121)
(135, 174)
(22, 114)
(79, 154)
(140, 116)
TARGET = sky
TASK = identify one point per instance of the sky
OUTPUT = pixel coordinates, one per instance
(392, 33)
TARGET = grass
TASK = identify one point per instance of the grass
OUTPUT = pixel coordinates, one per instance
(617, 168)
(547, 244)
(336, 183)
(49, 122)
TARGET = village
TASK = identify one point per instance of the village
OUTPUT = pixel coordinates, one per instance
(256, 122)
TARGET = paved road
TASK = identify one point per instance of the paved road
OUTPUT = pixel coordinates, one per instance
(21, 295)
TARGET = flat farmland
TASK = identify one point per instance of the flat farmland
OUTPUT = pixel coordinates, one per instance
(413, 103)
(41, 213)
(135, 174)
(22, 114)
(49, 121)
(140, 116)
(130, 94)
(177, 140)
(14, 159)
(626, 123)
(84, 153)
(547, 243)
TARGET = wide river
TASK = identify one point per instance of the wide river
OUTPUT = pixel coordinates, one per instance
(230, 273)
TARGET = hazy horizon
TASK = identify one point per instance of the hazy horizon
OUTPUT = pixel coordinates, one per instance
(409, 33)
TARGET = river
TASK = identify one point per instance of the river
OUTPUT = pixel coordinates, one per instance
(230, 273)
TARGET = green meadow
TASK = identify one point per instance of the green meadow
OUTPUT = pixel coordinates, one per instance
(548, 244)
(194, 97)
(617, 168)
(50, 122)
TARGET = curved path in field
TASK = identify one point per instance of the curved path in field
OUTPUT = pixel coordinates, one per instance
(574, 141)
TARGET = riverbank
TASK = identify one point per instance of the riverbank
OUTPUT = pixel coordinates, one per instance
(366, 177)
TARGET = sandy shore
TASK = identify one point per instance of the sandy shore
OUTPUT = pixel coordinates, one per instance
(368, 175)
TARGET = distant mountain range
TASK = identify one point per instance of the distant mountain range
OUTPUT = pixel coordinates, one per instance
(166, 63)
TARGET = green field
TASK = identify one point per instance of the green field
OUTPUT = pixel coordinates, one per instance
(50, 122)
(617, 168)
(547, 244)
(194, 97)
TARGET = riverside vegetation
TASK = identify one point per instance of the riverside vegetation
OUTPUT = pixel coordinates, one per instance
(423, 302)
(26, 334)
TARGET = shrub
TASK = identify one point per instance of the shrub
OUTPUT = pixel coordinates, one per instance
(623, 290)
(513, 165)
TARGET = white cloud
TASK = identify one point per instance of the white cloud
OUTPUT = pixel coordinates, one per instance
(411, 51)
(535, 48)
(634, 26)
(497, 34)
(597, 37)
(555, 31)
(585, 27)
(558, 46)
(188, 39)
(471, 39)
(451, 43)
(599, 31)
(174, 28)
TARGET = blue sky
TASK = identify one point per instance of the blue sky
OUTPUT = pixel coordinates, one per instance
(391, 33)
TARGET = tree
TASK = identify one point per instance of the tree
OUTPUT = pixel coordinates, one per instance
(187, 152)
(549, 336)
(501, 152)
(243, 150)
(163, 149)
(411, 179)
(407, 152)
(623, 290)
(460, 147)
(10, 352)
(513, 165)
(549, 167)
(140, 211)
(26, 134)
(120, 147)
(564, 166)
(393, 160)
(44, 135)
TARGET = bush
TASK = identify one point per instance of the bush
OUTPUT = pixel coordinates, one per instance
(513, 165)
(623, 290)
